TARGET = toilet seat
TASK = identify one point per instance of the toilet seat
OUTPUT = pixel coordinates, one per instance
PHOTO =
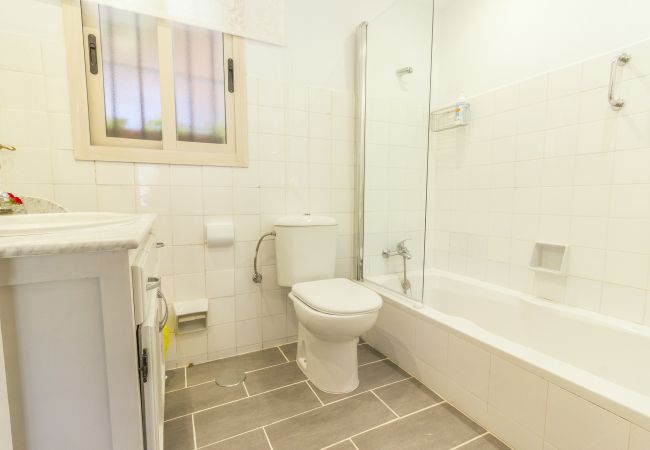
(337, 296)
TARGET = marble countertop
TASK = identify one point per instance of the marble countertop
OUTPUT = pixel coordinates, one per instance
(48, 234)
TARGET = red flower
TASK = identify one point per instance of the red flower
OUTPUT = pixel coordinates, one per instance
(14, 199)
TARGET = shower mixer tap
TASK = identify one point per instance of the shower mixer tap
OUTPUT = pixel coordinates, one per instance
(405, 253)
(401, 250)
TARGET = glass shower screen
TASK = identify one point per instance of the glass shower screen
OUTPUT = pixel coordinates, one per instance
(395, 84)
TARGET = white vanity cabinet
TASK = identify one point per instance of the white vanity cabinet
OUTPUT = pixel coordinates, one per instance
(69, 364)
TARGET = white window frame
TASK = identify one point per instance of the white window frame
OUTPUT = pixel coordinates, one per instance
(88, 113)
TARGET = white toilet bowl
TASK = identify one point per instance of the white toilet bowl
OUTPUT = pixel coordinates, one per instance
(332, 314)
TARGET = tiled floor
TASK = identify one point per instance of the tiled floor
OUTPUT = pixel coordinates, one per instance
(277, 408)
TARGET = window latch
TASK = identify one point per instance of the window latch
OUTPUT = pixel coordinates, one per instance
(92, 53)
(231, 75)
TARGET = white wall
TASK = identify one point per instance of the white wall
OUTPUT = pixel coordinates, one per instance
(301, 123)
(483, 44)
(321, 43)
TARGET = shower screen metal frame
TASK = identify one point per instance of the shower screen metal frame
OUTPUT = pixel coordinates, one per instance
(362, 54)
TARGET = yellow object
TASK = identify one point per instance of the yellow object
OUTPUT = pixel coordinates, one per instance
(166, 339)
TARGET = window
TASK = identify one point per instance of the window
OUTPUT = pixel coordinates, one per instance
(148, 90)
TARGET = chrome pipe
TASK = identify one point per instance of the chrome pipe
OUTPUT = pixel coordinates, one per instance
(257, 277)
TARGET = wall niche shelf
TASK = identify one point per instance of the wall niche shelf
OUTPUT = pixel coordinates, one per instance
(549, 258)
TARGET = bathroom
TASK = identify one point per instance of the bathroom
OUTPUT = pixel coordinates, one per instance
(381, 224)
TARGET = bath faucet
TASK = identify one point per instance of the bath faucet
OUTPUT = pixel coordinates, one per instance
(401, 250)
(405, 253)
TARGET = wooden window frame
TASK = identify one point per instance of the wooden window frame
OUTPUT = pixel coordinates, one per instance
(88, 117)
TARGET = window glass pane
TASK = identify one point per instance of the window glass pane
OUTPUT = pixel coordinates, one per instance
(131, 74)
(199, 80)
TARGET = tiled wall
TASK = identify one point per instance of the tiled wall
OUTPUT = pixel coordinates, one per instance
(548, 160)
(301, 152)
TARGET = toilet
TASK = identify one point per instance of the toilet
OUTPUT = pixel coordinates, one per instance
(332, 312)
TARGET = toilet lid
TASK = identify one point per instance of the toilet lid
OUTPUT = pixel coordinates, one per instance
(338, 296)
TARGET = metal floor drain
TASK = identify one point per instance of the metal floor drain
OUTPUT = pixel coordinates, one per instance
(230, 377)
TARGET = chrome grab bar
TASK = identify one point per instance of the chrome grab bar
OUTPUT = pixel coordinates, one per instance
(163, 322)
(620, 60)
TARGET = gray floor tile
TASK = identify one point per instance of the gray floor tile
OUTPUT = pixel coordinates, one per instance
(345, 445)
(178, 434)
(175, 379)
(234, 418)
(438, 428)
(290, 350)
(366, 354)
(199, 397)
(253, 440)
(370, 376)
(325, 426)
(273, 377)
(250, 361)
(487, 442)
(407, 396)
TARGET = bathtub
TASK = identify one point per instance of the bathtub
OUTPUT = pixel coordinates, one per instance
(540, 375)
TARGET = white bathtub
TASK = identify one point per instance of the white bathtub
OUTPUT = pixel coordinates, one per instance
(534, 372)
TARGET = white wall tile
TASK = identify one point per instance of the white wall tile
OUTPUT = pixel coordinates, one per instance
(187, 200)
(192, 344)
(21, 90)
(152, 174)
(20, 53)
(249, 332)
(431, 344)
(186, 175)
(320, 100)
(24, 128)
(76, 197)
(469, 366)
(623, 302)
(598, 429)
(221, 337)
(630, 269)
(564, 81)
(220, 283)
(533, 90)
(629, 166)
(116, 199)
(639, 438)
(188, 259)
(518, 393)
(584, 293)
(633, 131)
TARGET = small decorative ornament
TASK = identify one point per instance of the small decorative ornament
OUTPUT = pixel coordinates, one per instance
(10, 203)
(13, 199)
